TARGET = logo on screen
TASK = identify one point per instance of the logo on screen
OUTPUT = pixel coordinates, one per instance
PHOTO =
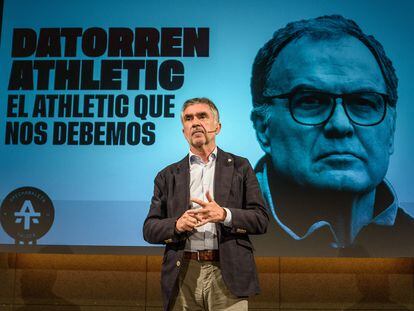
(27, 214)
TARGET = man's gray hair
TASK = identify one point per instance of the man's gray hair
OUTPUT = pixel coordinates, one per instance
(320, 28)
(201, 100)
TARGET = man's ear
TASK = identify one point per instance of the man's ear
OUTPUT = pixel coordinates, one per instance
(262, 132)
(392, 131)
(218, 128)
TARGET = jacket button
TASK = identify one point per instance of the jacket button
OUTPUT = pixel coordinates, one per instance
(178, 263)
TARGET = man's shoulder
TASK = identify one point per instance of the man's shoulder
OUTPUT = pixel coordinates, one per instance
(231, 157)
(174, 167)
(234, 156)
(404, 220)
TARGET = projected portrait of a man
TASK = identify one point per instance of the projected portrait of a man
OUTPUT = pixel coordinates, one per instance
(324, 110)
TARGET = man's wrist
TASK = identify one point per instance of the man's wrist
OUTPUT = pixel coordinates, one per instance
(227, 220)
(176, 228)
(223, 218)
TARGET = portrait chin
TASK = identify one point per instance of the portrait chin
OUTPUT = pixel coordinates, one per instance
(198, 140)
(349, 176)
(344, 180)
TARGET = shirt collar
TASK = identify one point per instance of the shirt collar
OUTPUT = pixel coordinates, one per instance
(193, 158)
(385, 217)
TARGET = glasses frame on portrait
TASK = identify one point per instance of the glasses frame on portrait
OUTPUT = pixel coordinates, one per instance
(345, 97)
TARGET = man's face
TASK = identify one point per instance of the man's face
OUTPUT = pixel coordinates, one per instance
(199, 125)
(337, 155)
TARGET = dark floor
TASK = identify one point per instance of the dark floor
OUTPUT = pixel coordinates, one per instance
(130, 282)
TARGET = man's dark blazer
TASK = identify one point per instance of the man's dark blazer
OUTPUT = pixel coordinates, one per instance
(235, 187)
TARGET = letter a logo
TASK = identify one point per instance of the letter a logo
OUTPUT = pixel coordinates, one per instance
(27, 215)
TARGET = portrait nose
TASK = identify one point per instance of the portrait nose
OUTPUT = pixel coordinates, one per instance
(339, 125)
(195, 122)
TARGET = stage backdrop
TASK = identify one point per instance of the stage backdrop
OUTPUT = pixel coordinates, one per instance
(90, 98)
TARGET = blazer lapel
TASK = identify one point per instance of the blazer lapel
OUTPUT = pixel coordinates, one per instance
(223, 175)
(182, 186)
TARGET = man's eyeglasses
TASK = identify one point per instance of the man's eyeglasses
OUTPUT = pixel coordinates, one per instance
(310, 107)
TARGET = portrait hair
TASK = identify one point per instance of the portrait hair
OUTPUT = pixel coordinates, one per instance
(201, 100)
(326, 27)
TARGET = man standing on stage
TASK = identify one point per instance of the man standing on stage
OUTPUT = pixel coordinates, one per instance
(203, 209)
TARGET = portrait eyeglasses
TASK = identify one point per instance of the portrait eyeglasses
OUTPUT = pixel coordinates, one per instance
(310, 107)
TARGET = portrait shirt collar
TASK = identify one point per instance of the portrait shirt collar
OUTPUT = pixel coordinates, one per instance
(195, 159)
(385, 217)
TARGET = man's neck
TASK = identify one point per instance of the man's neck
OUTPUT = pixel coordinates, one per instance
(203, 151)
(300, 208)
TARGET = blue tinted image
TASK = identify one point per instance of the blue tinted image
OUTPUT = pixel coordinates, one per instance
(325, 98)
(326, 128)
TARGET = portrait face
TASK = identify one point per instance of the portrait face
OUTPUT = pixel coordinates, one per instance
(200, 127)
(337, 154)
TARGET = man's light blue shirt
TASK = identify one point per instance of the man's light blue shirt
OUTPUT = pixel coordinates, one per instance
(201, 181)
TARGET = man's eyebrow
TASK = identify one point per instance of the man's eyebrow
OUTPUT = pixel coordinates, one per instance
(304, 86)
(309, 87)
(365, 89)
(296, 88)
